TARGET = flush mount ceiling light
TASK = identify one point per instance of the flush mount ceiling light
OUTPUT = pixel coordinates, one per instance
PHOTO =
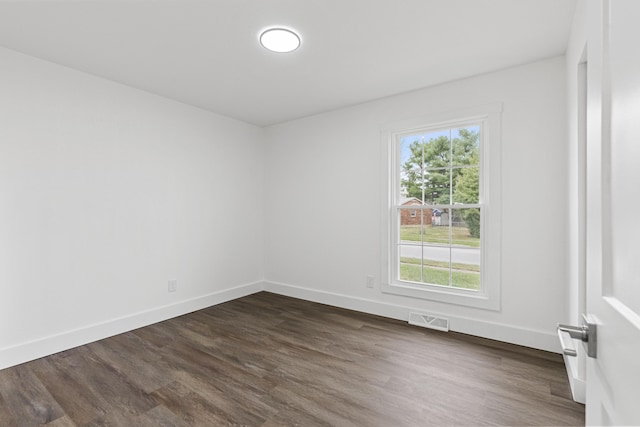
(279, 40)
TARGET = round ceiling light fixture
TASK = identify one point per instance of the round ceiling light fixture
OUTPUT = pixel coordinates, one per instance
(279, 40)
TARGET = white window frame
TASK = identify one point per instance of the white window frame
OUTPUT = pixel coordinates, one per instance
(488, 297)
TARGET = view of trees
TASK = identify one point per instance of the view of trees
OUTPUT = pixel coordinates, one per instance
(435, 164)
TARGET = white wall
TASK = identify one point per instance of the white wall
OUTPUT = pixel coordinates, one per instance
(106, 192)
(323, 188)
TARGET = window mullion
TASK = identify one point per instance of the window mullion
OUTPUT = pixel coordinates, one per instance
(450, 203)
(422, 217)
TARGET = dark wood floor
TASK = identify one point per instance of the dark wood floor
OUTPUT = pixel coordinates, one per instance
(268, 360)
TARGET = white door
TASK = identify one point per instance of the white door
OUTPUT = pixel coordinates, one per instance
(613, 211)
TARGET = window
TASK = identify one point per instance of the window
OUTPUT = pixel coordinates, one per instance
(447, 250)
(441, 168)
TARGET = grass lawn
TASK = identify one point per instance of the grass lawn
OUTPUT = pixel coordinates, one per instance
(441, 264)
(465, 278)
(438, 234)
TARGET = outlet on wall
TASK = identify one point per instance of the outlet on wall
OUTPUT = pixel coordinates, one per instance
(173, 285)
(370, 281)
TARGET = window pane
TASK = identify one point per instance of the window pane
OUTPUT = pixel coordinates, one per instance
(465, 146)
(436, 274)
(436, 150)
(465, 248)
(466, 185)
(437, 186)
(411, 166)
(410, 224)
(437, 231)
(436, 250)
(465, 277)
(410, 263)
(425, 250)
(420, 154)
(432, 269)
(465, 228)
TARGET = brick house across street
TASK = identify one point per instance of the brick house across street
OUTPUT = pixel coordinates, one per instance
(412, 216)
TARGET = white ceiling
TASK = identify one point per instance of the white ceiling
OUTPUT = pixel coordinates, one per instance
(206, 53)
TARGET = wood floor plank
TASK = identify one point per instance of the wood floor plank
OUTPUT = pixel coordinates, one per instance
(61, 422)
(26, 398)
(270, 360)
(82, 405)
(198, 408)
(6, 415)
(317, 413)
(158, 417)
(146, 376)
(245, 408)
(110, 383)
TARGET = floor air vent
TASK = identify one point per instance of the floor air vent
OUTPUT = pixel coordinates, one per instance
(428, 321)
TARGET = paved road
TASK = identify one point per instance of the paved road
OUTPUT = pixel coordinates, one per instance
(442, 253)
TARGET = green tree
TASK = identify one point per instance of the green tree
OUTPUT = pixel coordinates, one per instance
(465, 147)
(418, 173)
(427, 174)
(467, 190)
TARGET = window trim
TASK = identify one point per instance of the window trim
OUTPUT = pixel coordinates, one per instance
(489, 296)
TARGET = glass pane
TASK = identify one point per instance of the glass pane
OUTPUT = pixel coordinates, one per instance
(436, 274)
(465, 248)
(420, 154)
(411, 220)
(465, 146)
(465, 228)
(437, 149)
(425, 255)
(410, 263)
(432, 269)
(411, 166)
(436, 231)
(466, 185)
(465, 277)
(436, 252)
(437, 186)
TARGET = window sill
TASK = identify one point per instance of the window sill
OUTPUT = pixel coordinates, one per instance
(442, 294)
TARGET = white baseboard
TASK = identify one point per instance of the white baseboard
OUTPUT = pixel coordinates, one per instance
(24, 352)
(541, 340)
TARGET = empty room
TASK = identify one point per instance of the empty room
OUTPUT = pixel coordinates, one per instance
(319, 212)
